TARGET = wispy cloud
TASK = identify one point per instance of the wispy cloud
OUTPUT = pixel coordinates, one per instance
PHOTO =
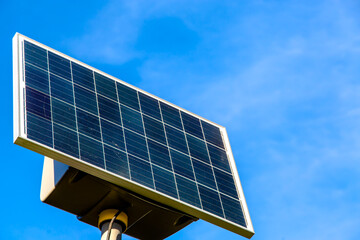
(283, 78)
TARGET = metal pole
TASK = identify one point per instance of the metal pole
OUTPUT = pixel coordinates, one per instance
(112, 224)
(115, 231)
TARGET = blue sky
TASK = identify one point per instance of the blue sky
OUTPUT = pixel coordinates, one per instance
(282, 76)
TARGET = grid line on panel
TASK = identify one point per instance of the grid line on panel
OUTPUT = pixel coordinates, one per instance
(192, 165)
(98, 111)
(29, 68)
(217, 187)
(164, 123)
(183, 179)
(153, 139)
(171, 162)
(141, 112)
(147, 145)
(76, 121)
(83, 86)
(122, 124)
(51, 114)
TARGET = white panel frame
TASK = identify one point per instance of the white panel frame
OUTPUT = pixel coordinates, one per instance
(20, 138)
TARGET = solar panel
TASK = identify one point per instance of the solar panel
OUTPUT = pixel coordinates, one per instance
(102, 125)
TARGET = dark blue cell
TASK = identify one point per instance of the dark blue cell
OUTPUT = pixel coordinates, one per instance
(85, 99)
(36, 78)
(140, 171)
(225, 183)
(210, 201)
(112, 134)
(83, 76)
(219, 158)
(105, 86)
(176, 139)
(204, 174)
(88, 124)
(188, 191)
(63, 113)
(197, 148)
(91, 151)
(149, 106)
(192, 125)
(39, 129)
(154, 129)
(61, 89)
(212, 134)
(132, 120)
(128, 96)
(66, 140)
(38, 103)
(171, 115)
(35, 55)
(159, 154)
(136, 145)
(182, 164)
(233, 210)
(109, 110)
(164, 181)
(116, 161)
(59, 66)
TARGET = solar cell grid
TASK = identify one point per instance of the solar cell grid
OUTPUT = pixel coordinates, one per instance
(113, 126)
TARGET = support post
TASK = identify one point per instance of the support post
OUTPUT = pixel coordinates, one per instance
(112, 224)
(115, 231)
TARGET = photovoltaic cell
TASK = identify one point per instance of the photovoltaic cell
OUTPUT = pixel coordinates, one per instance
(192, 125)
(63, 113)
(39, 129)
(136, 145)
(61, 89)
(154, 129)
(66, 140)
(210, 201)
(171, 115)
(88, 124)
(112, 134)
(37, 78)
(38, 103)
(109, 109)
(204, 174)
(225, 183)
(176, 139)
(128, 96)
(59, 66)
(233, 210)
(164, 181)
(116, 161)
(182, 164)
(91, 151)
(197, 148)
(141, 171)
(212, 134)
(219, 158)
(159, 154)
(83, 76)
(132, 120)
(36, 55)
(149, 106)
(87, 115)
(105, 86)
(85, 99)
(188, 191)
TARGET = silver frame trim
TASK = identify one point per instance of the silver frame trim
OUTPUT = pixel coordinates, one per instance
(20, 138)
